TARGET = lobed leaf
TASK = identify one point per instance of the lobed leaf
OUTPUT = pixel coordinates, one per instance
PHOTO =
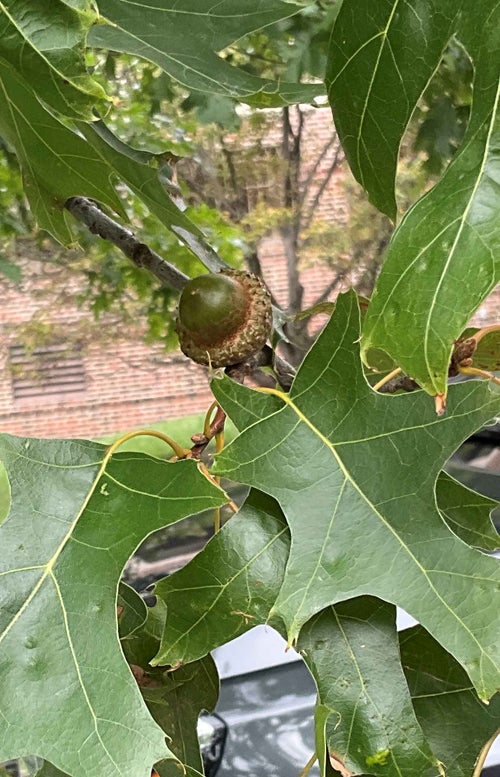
(133, 610)
(45, 44)
(354, 473)
(56, 163)
(176, 704)
(183, 41)
(455, 722)
(369, 723)
(131, 167)
(381, 57)
(346, 647)
(467, 513)
(175, 699)
(443, 259)
(63, 550)
(228, 587)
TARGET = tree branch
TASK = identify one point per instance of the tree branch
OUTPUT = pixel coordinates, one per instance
(307, 218)
(140, 254)
(311, 176)
(328, 289)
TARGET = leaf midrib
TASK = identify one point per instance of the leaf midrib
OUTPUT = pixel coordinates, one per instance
(463, 219)
(386, 523)
(42, 56)
(223, 586)
(49, 566)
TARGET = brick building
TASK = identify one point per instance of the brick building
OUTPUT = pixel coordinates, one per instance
(60, 390)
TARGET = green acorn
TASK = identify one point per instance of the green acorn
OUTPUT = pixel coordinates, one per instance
(224, 318)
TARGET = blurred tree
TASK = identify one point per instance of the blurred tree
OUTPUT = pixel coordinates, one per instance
(240, 177)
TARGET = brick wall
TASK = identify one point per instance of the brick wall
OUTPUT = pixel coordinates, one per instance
(129, 384)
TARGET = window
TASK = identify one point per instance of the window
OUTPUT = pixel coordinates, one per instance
(47, 371)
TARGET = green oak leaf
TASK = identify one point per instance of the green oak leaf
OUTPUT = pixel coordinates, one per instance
(49, 770)
(84, 6)
(381, 57)
(354, 472)
(226, 588)
(10, 270)
(228, 578)
(369, 724)
(63, 550)
(444, 258)
(184, 40)
(467, 513)
(141, 644)
(56, 162)
(175, 702)
(45, 44)
(134, 612)
(456, 723)
(174, 699)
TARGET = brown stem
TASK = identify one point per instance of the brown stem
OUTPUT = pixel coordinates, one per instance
(139, 253)
(315, 202)
(212, 428)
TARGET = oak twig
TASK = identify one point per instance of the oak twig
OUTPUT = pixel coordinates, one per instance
(140, 254)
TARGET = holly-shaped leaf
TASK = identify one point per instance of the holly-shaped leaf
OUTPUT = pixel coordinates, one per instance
(228, 587)
(354, 473)
(45, 44)
(63, 549)
(369, 723)
(455, 722)
(184, 40)
(56, 162)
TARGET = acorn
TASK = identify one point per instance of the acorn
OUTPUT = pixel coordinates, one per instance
(224, 318)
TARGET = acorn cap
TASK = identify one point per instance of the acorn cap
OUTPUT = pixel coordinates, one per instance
(224, 318)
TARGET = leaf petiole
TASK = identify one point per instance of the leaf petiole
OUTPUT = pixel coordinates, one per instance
(204, 470)
(180, 452)
(483, 754)
(208, 419)
(219, 445)
(309, 765)
(478, 336)
(479, 373)
(386, 378)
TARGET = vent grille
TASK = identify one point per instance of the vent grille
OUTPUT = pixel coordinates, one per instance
(48, 371)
